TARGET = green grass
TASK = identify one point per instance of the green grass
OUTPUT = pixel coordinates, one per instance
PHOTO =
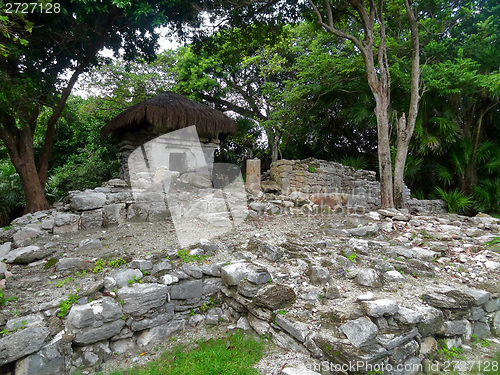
(491, 363)
(232, 355)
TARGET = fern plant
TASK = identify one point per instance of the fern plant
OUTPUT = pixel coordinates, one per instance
(456, 200)
(356, 162)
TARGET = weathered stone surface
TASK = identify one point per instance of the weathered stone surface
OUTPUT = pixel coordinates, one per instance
(440, 300)
(232, 274)
(122, 346)
(160, 319)
(369, 277)
(65, 223)
(22, 343)
(380, 307)
(91, 335)
(453, 328)
(360, 332)
(495, 323)
(259, 276)
(89, 243)
(208, 246)
(32, 320)
(141, 298)
(47, 361)
(27, 254)
(77, 263)
(393, 277)
(25, 233)
(160, 332)
(123, 276)
(192, 270)
(247, 289)
(213, 316)
(400, 339)
(160, 267)
(431, 321)
(481, 330)
(243, 324)
(296, 329)
(492, 305)
(212, 269)
(480, 296)
(142, 264)
(408, 316)
(114, 214)
(319, 275)
(91, 219)
(270, 252)
(260, 326)
(4, 249)
(187, 290)
(87, 200)
(275, 297)
(169, 279)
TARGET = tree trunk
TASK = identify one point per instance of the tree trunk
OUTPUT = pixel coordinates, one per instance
(384, 151)
(406, 127)
(20, 150)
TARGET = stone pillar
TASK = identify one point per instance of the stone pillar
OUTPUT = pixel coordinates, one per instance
(253, 175)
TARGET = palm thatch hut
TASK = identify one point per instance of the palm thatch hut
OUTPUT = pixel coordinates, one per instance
(163, 114)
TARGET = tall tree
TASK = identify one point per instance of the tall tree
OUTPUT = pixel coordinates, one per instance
(66, 40)
(364, 24)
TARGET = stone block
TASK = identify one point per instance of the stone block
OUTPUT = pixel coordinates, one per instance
(24, 234)
(369, 277)
(431, 322)
(253, 175)
(89, 244)
(47, 361)
(142, 264)
(123, 276)
(160, 319)
(90, 335)
(139, 299)
(22, 343)
(408, 316)
(298, 330)
(91, 219)
(381, 307)
(192, 270)
(187, 290)
(159, 333)
(65, 223)
(360, 332)
(275, 297)
(211, 285)
(319, 275)
(87, 200)
(27, 254)
(232, 274)
(114, 214)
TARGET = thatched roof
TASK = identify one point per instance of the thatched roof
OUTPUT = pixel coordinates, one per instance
(170, 111)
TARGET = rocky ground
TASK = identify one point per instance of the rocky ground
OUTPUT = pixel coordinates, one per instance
(409, 255)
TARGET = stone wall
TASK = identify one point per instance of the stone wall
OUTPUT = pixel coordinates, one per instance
(313, 176)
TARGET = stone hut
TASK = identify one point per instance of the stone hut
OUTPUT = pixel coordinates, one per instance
(162, 114)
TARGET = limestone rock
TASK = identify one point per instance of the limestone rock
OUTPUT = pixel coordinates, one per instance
(232, 274)
(187, 290)
(360, 332)
(22, 343)
(381, 307)
(369, 277)
(275, 297)
(27, 254)
(141, 298)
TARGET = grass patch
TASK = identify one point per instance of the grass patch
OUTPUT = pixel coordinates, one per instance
(232, 355)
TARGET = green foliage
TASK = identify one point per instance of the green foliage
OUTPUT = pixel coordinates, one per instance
(115, 263)
(11, 193)
(186, 257)
(65, 305)
(235, 355)
(99, 265)
(356, 162)
(134, 279)
(312, 169)
(60, 283)
(495, 243)
(4, 300)
(456, 200)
